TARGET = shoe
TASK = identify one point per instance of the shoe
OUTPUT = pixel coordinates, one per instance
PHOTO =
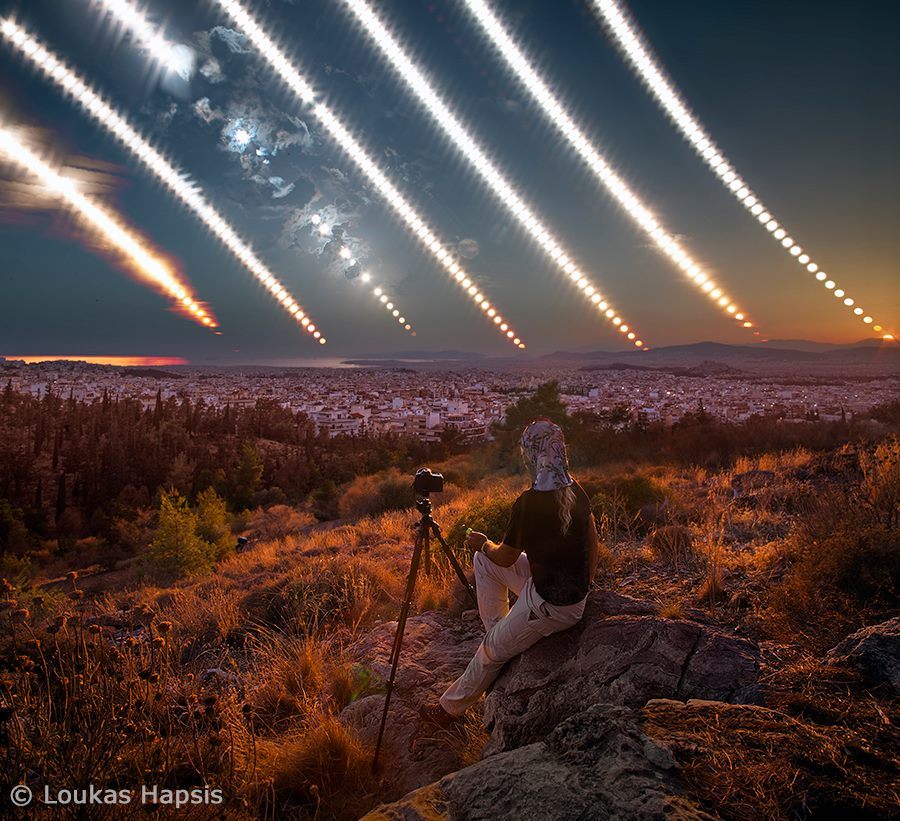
(437, 715)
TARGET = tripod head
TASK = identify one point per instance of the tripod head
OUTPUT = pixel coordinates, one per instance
(423, 505)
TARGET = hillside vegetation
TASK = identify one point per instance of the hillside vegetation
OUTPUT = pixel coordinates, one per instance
(184, 663)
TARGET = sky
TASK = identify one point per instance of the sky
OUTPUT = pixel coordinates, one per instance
(801, 96)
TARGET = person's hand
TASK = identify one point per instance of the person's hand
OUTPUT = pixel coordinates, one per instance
(475, 540)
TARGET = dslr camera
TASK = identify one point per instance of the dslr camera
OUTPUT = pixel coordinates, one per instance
(426, 481)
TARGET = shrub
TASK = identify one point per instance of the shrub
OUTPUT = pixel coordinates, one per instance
(377, 493)
(176, 549)
(672, 544)
(326, 766)
(844, 569)
(327, 590)
(863, 564)
(213, 524)
(628, 501)
(279, 522)
(487, 513)
(881, 484)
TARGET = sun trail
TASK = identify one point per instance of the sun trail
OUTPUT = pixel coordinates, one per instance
(464, 140)
(146, 35)
(635, 48)
(345, 254)
(602, 171)
(67, 81)
(301, 89)
(384, 299)
(105, 225)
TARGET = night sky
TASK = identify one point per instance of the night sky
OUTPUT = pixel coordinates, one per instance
(801, 96)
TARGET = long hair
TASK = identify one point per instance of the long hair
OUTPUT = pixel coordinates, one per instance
(565, 504)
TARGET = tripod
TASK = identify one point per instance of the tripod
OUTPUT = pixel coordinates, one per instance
(426, 527)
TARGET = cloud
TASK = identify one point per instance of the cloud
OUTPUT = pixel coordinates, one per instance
(233, 40)
(468, 248)
(204, 111)
(211, 69)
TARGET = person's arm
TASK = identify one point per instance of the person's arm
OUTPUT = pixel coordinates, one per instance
(503, 555)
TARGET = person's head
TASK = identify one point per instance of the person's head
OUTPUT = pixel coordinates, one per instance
(544, 452)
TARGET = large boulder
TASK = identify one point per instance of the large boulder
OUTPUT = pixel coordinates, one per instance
(873, 651)
(617, 656)
(436, 649)
(596, 765)
(669, 759)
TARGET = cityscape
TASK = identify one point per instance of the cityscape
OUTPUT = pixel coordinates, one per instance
(425, 403)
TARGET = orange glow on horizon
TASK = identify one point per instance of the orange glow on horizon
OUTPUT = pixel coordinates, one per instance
(121, 361)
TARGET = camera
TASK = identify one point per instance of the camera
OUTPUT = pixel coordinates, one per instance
(425, 481)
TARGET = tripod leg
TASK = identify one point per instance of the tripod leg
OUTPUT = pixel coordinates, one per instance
(398, 636)
(451, 557)
(427, 552)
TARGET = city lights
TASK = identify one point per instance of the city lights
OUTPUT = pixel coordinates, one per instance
(476, 155)
(106, 226)
(632, 44)
(175, 181)
(282, 66)
(614, 184)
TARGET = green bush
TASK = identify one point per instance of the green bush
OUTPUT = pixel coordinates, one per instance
(488, 514)
(214, 523)
(176, 549)
(617, 504)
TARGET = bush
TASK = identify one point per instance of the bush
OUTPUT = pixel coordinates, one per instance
(375, 494)
(844, 570)
(486, 513)
(672, 544)
(881, 484)
(213, 523)
(326, 766)
(279, 521)
(628, 501)
(176, 549)
(327, 590)
(863, 564)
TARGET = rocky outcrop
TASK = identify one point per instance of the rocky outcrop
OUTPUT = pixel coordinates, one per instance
(873, 651)
(621, 654)
(616, 655)
(436, 649)
(668, 759)
(596, 765)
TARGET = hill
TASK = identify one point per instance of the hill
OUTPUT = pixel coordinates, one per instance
(728, 584)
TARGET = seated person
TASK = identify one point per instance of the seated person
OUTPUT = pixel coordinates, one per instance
(547, 558)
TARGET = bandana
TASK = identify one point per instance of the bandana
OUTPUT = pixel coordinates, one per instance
(544, 451)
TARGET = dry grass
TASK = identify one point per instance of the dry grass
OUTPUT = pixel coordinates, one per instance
(751, 763)
(323, 772)
(85, 703)
(672, 544)
(264, 634)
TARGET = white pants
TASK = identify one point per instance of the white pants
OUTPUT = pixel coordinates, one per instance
(509, 632)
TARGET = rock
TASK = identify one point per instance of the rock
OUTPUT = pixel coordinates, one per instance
(622, 659)
(873, 651)
(436, 649)
(598, 764)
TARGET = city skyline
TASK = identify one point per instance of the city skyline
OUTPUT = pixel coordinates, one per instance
(814, 136)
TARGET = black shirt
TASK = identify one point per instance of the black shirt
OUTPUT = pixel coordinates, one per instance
(560, 562)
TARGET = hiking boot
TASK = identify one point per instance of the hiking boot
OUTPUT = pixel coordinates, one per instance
(438, 716)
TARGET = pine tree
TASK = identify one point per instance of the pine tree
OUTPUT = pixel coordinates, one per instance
(176, 549)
